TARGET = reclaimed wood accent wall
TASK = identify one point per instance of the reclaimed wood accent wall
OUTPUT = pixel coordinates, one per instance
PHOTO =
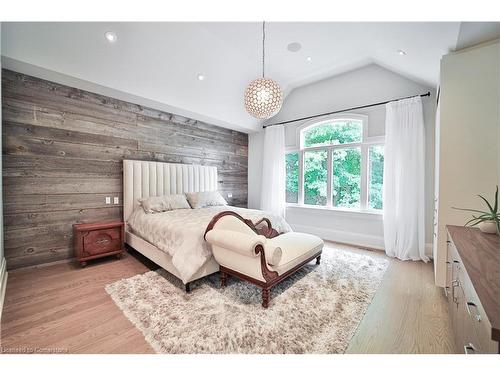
(62, 155)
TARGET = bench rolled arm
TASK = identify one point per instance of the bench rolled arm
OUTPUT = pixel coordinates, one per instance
(236, 241)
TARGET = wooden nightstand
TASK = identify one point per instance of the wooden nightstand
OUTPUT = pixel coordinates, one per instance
(98, 240)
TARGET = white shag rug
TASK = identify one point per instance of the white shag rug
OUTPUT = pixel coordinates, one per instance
(317, 310)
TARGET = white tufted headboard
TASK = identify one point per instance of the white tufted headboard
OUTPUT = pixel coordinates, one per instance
(142, 179)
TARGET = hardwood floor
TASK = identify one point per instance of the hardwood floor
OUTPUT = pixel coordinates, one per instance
(408, 314)
(64, 308)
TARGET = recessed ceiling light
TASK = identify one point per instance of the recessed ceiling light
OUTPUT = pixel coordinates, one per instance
(294, 47)
(401, 52)
(110, 36)
(309, 58)
(200, 77)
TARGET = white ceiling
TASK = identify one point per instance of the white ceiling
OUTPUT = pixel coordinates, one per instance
(159, 62)
(472, 33)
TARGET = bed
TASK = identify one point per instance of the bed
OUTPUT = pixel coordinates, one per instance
(174, 239)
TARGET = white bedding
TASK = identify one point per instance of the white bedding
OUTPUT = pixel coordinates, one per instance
(179, 233)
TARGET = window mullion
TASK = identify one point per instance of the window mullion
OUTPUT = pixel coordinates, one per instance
(329, 186)
(364, 177)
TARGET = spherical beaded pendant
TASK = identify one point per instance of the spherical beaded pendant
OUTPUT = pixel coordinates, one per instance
(263, 98)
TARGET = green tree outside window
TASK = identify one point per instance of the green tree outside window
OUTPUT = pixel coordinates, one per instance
(346, 167)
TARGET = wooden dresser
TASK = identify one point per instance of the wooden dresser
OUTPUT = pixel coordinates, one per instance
(473, 289)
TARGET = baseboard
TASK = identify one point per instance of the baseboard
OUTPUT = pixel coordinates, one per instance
(351, 238)
(3, 283)
(361, 240)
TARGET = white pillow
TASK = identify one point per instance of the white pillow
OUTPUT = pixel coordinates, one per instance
(164, 203)
(151, 204)
(205, 199)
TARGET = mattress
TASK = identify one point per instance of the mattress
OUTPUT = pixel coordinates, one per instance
(179, 233)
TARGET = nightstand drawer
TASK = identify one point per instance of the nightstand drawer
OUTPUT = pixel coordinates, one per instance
(96, 240)
(102, 241)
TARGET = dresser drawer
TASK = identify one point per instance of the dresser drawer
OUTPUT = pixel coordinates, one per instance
(470, 323)
(476, 317)
(466, 334)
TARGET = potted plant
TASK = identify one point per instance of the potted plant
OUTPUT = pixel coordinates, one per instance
(488, 221)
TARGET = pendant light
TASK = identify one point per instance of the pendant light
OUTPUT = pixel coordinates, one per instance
(263, 96)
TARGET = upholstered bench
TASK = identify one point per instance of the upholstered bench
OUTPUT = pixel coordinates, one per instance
(257, 253)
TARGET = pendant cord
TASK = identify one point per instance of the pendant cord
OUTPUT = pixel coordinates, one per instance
(263, 48)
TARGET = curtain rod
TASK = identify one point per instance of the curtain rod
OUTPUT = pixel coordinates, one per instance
(345, 110)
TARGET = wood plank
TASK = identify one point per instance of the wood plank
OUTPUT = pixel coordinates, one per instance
(48, 256)
(26, 220)
(57, 202)
(20, 130)
(48, 185)
(30, 245)
(196, 129)
(50, 249)
(17, 234)
(21, 111)
(13, 145)
(28, 113)
(60, 98)
(47, 166)
(195, 148)
(228, 165)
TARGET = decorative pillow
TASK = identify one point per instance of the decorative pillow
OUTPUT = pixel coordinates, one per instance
(164, 203)
(273, 255)
(205, 199)
(176, 202)
(152, 204)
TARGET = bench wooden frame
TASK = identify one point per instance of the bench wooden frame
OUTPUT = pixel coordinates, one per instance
(272, 278)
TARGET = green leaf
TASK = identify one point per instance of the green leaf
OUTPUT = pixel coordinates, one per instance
(483, 216)
(496, 200)
(476, 221)
(469, 222)
(488, 203)
(471, 210)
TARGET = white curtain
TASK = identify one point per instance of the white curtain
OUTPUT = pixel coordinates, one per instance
(273, 171)
(404, 215)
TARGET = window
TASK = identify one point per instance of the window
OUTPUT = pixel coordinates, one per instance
(333, 133)
(346, 177)
(315, 173)
(337, 166)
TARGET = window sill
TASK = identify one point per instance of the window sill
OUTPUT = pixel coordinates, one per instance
(376, 214)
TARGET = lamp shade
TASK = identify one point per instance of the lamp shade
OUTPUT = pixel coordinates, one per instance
(263, 98)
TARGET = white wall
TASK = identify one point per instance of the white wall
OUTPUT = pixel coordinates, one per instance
(362, 86)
